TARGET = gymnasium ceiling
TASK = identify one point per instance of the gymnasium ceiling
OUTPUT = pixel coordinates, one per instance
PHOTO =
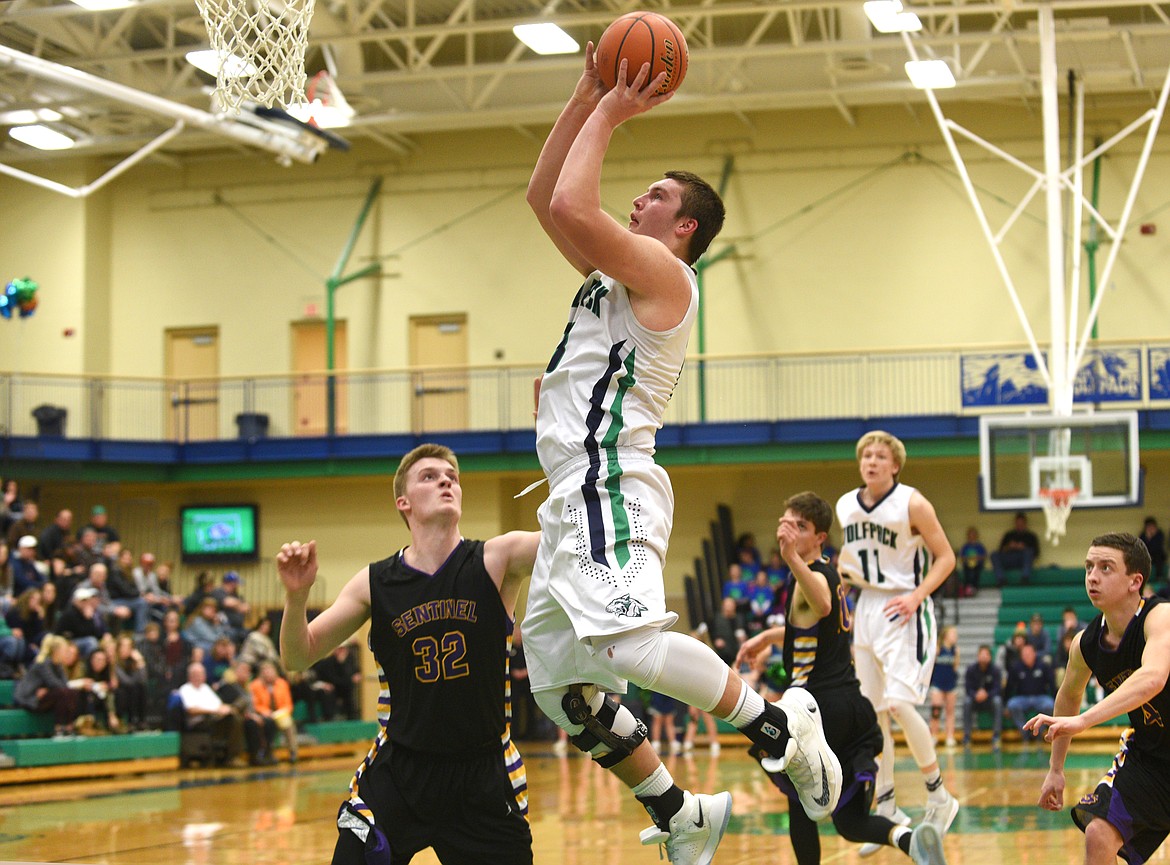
(413, 66)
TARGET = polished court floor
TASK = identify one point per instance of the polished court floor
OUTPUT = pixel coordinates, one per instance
(580, 814)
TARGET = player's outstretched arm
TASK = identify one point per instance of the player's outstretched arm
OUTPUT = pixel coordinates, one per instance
(761, 642)
(509, 558)
(302, 643)
(1068, 701)
(586, 95)
(811, 584)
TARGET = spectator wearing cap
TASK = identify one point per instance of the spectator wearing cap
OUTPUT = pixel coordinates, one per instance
(81, 622)
(54, 540)
(99, 521)
(234, 608)
(24, 571)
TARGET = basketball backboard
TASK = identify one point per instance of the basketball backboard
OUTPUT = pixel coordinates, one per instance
(1095, 454)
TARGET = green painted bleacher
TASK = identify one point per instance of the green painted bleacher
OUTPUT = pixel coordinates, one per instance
(92, 749)
(7, 691)
(335, 732)
(19, 724)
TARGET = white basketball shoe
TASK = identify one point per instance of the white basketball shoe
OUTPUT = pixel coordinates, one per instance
(808, 761)
(695, 831)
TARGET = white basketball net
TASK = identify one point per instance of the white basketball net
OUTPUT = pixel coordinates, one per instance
(261, 48)
(1058, 504)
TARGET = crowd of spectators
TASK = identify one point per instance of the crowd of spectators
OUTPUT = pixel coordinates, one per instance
(100, 639)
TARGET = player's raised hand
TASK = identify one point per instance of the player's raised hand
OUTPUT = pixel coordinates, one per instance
(296, 563)
(589, 88)
(1057, 725)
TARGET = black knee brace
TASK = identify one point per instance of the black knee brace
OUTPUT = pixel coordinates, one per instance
(599, 728)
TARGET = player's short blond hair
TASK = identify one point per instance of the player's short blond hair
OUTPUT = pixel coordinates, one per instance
(881, 437)
(422, 452)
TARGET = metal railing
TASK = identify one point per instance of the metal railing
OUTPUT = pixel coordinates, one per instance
(725, 389)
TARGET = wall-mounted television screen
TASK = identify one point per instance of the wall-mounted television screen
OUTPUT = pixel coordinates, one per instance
(219, 533)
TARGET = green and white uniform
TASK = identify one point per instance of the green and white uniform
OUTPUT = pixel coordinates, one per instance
(607, 520)
(880, 551)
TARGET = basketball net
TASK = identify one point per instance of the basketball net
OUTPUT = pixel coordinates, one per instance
(260, 45)
(1058, 504)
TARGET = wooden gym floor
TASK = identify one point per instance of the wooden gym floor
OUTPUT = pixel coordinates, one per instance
(580, 815)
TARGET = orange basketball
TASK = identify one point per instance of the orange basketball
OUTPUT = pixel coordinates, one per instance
(643, 37)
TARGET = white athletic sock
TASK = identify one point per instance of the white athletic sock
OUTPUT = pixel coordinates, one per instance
(747, 709)
(656, 784)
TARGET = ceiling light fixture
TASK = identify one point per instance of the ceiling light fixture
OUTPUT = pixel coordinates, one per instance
(930, 74)
(887, 16)
(546, 38)
(103, 5)
(41, 137)
(28, 116)
(209, 61)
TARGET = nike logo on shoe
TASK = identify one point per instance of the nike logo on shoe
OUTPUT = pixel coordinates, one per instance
(699, 821)
(823, 799)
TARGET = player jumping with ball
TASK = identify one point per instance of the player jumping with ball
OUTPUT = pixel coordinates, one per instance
(597, 614)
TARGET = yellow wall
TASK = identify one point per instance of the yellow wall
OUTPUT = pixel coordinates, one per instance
(842, 243)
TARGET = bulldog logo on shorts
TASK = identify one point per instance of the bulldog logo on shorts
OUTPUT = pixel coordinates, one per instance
(626, 606)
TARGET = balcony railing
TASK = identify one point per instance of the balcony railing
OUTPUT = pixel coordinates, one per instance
(725, 389)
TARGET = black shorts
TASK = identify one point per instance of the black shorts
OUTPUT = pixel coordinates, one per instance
(1133, 797)
(853, 734)
(466, 810)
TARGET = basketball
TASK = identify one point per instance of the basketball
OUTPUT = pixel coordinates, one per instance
(643, 37)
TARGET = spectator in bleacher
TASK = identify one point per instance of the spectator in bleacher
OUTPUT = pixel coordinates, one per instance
(45, 685)
(80, 557)
(180, 652)
(973, 557)
(205, 627)
(25, 572)
(99, 521)
(737, 588)
(1018, 550)
(11, 506)
(204, 583)
(98, 700)
(1009, 652)
(80, 621)
(55, 537)
(777, 571)
(12, 651)
(159, 681)
(50, 604)
(944, 683)
(220, 659)
(235, 689)
(1031, 689)
(983, 683)
(663, 733)
(1155, 542)
(26, 617)
(339, 672)
(130, 698)
(761, 603)
(233, 607)
(173, 600)
(204, 710)
(258, 646)
(748, 553)
(122, 588)
(272, 697)
(115, 613)
(1039, 637)
(728, 631)
(150, 586)
(24, 524)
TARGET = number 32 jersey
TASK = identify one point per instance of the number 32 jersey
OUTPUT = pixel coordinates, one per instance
(879, 549)
(441, 641)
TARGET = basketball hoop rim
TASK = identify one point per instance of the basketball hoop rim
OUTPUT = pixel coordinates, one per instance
(1059, 496)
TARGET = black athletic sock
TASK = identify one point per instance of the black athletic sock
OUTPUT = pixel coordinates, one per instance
(769, 731)
(662, 808)
(904, 843)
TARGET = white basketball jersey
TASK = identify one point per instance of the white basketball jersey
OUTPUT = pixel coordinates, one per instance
(609, 380)
(879, 548)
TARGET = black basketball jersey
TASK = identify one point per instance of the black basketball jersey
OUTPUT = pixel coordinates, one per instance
(820, 658)
(442, 643)
(1114, 666)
